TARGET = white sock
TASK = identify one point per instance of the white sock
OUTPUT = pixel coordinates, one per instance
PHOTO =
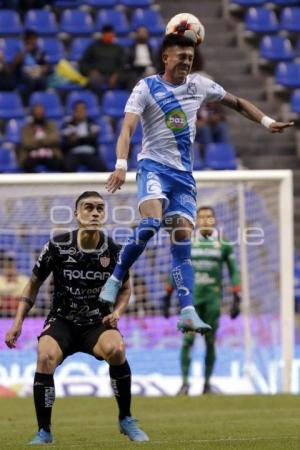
(112, 277)
(188, 307)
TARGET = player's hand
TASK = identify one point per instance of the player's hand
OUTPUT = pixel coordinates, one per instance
(112, 319)
(235, 307)
(279, 127)
(115, 180)
(12, 336)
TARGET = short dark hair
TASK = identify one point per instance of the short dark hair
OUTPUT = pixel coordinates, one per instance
(202, 208)
(29, 34)
(79, 102)
(107, 28)
(87, 194)
(172, 39)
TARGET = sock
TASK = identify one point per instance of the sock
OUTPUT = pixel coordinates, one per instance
(44, 396)
(120, 377)
(185, 357)
(210, 357)
(182, 272)
(135, 246)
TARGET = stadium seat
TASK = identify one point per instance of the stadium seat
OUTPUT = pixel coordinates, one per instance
(260, 20)
(102, 3)
(41, 21)
(286, 2)
(76, 22)
(10, 106)
(132, 161)
(288, 74)
(10, 47)
(155, 44)
(220, 157)
(113, 103)
(7, 161)
(108, 156)
(112, 17)
(53, 49)
(77, 48)
(276, 48)
(51, 102)
(290, 20)
(13, 130)
(248, 3)
(136, 3)
(297, 50)
(125, 41)
(148, 18)
(295, 101)
(10, 23)
(88, 97)
(64, 4)
(106, 133)
(198, 163)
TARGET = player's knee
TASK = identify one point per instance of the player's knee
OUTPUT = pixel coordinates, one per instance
(147, 228)
(47, 361)
(115, 353)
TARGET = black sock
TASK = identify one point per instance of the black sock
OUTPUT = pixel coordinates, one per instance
(44, 396)
(120, 377)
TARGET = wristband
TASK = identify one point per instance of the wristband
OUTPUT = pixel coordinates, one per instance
(266, 121)
(121, 164)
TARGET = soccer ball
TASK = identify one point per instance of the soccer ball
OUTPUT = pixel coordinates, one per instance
(186, 25)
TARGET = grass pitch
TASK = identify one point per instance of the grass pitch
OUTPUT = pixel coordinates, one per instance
(181, 423)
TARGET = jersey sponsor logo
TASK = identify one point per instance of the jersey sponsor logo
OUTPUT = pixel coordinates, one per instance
(104, 261)
(85, 275)
(70, 251)
(160, 95)
(70, 259)
(176, 120)
(206, 252)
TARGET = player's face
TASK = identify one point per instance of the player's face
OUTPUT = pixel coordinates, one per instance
(206, 221)
(90, 213)
(178, 62)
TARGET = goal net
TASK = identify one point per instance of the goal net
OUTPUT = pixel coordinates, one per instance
(254, 351)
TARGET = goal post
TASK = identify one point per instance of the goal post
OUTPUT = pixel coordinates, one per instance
(254, 210)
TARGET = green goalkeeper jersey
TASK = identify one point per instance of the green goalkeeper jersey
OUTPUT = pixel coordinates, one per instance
(209, 254)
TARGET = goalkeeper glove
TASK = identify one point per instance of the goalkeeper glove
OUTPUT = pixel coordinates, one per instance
(235, 307)
(166, 301)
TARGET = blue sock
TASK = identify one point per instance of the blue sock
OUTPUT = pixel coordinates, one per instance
(182, 272)
(135, 246)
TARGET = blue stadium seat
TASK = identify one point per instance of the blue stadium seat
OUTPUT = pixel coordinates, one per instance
(51, 102)
(10, 47)
(288, 74)
(112, 17)
(10, 23)
(295, 101)
(41, 21)
(77, 48)
(220, 157)
(155, 44)
(136, 3)
(248, 3)
(276, 48)
(290, 20)
(125, 41)
(13, 130)
(106, 133)
(297, 50)
(137, 135)
(102, 3)
(260, 20)
(10, 106)
(108, 155)
(132, 161)
(88, 97)
(286, 2)
(113, 103)
(148, 18)
(76, 22)
(64, 4)
(53, 49)
(198, 163)
(7, 161)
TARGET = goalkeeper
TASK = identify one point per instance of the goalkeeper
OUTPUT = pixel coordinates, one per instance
(209, 252)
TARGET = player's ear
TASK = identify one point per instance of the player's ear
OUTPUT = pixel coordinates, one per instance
(76, 213)
(164, 57)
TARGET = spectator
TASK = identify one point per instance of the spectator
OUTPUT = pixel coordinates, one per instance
(80, 139)
(141, 57)
(103, 62)
(211, 125)
(40, 143)
(6, 82)
(30, 68)
(11, 284)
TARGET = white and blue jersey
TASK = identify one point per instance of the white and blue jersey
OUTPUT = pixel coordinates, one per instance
(168, 114)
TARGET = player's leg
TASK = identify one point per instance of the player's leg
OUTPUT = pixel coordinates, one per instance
(49, 357)
(183, 273)
(150, 199)
(185, 361)
(211, 313)
(110, 346)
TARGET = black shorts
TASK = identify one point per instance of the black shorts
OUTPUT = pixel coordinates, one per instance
(73, 338)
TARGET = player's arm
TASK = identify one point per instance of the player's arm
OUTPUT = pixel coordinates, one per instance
(26, 302)
(250, 111)
(121, 305)
(235, 281)
(117, 178)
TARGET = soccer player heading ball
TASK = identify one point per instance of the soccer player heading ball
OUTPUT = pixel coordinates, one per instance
(167, 105)
(80, 261)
